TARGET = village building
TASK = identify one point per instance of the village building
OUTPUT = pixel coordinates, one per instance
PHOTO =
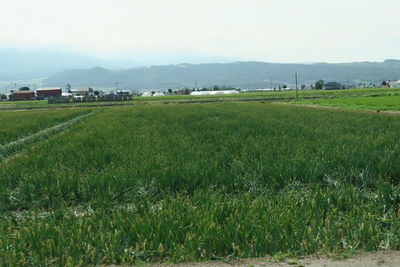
(23, 95)
(45, 93)
(332, 86)
(393, 83)
(83, 91)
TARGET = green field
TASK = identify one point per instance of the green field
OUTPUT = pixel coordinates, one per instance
(14, 125)
(373, 102)
(173, 183)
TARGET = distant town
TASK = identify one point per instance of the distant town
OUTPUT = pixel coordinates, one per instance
(82, 92)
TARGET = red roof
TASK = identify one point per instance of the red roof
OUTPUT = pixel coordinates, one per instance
(48, 88)
(23, 92)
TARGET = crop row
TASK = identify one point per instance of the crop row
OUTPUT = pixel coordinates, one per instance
(8, 149)
(14, 125)
(205, 181)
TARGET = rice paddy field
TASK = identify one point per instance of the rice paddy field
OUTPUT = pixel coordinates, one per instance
(174, 183)
(373, 102)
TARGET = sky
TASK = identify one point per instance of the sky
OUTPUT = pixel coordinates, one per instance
(212, 30)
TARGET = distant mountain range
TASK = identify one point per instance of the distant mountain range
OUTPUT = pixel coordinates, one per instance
(238, 74)
(25, 63)
(32, 63)
(60, 67)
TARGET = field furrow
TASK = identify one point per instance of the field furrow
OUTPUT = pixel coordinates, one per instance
(8, 149)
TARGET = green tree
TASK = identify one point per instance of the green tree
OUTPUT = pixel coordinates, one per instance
(170, 91)
(3, 97)
(319, 85)
(24, 88)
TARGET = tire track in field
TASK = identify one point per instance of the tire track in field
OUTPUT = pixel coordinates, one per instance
(7, 150)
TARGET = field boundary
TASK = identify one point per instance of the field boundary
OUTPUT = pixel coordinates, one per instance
(359, 259)
(316, 106)
(164, 102)
(8, 149)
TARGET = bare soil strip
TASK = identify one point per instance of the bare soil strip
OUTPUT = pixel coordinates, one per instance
(373, 259)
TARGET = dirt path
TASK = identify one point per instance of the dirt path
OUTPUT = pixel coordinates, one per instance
(382, 258)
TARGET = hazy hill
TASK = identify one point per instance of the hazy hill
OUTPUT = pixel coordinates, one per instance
(239, 74)
(29, 63)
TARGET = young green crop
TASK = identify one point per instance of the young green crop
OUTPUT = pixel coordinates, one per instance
(16, 124)
(202, 181)
(373, 102)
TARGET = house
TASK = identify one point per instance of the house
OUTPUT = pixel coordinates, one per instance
(48, 92)
(332, 86)
(124, 92)
(83, 91)
(23, 95)
(393, 83)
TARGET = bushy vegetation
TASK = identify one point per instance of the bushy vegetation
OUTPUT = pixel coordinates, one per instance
(203, 181)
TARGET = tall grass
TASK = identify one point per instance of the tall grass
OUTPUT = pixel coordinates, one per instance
(204, 181)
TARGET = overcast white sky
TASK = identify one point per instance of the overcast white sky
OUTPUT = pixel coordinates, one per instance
(265, 30)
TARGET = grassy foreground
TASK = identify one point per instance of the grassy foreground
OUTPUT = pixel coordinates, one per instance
(202, 181)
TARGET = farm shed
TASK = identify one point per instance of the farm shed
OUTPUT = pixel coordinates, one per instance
(48, 92)
(158, 94)
(23, 95)
(146, 94)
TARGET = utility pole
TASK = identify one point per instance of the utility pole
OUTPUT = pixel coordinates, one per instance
(116, 86)
(297, 91)
(348, 80)
(196, 85)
